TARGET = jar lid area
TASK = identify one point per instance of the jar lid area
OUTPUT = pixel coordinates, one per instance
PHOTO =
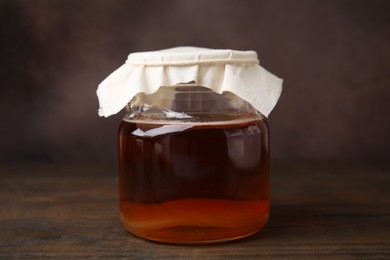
(220, 70)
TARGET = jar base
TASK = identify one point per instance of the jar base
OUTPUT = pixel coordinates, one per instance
(195, 221)
(195, 235)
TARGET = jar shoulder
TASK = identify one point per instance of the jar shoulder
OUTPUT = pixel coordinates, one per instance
(189, 104)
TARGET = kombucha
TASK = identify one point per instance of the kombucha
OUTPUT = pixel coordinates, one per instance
(193, 183)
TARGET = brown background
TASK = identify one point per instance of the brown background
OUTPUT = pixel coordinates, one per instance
(333, 55)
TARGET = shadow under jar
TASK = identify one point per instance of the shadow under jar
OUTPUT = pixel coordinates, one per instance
(193, 166)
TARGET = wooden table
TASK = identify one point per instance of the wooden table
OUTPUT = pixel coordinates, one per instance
(327, 210)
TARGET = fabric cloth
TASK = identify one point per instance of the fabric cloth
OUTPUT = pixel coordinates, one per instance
(220, 70)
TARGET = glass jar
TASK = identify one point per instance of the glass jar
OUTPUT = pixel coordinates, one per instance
(193, 166)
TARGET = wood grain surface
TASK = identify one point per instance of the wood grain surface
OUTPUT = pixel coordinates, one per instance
(328, 210)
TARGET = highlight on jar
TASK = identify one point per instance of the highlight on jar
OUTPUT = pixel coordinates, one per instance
(193, 144)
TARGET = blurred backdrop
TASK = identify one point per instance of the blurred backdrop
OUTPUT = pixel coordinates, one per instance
(334, 57)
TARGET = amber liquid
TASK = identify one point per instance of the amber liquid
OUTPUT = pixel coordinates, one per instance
(196, 183)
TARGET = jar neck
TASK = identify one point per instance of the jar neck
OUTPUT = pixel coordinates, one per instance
(189, 102)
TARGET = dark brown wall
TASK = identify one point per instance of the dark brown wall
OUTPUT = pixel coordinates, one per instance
(333, 55)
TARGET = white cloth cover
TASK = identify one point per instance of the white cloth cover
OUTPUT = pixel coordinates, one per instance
(220, 70)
